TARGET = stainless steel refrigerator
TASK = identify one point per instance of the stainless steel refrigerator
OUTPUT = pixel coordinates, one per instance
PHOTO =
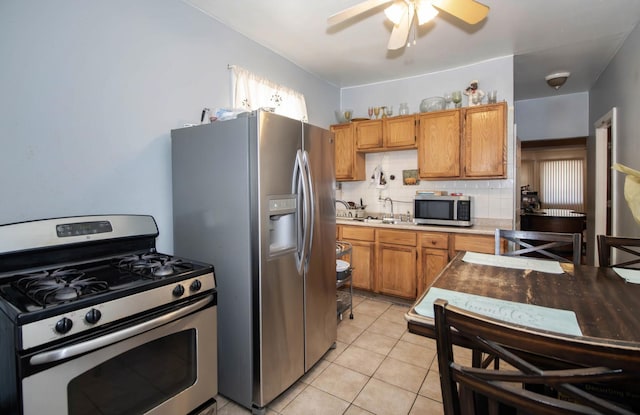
(254, 196)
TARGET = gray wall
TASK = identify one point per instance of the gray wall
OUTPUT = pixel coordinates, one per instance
(561, 116)
(618, 87)
(91, 90)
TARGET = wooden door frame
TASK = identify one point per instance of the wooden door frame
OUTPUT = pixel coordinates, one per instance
(606, 122)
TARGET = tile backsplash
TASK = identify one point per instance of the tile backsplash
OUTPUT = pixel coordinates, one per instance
(492, 199)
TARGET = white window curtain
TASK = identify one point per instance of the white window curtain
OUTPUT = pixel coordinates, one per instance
(252, 92)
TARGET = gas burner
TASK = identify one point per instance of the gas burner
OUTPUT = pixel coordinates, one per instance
(62, 285)
(153, 265)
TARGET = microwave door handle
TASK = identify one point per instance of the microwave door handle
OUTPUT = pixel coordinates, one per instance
(311, 206)
(106, 340)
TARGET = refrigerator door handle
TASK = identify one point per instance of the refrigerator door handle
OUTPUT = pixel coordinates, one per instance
(299, 184)
(310, 195)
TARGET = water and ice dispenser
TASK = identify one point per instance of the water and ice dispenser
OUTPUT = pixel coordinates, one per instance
(282, 225)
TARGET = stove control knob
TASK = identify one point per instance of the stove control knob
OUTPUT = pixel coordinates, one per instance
(64, 325)
(92, 316)
(195, 285)
(178, 290)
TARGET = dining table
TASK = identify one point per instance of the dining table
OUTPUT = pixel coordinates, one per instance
(567, 299)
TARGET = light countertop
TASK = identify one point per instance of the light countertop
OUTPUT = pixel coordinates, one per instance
(482, 227)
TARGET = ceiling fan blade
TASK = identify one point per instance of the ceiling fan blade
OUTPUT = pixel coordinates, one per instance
(353, 11)
(469, 11)
(400, 32)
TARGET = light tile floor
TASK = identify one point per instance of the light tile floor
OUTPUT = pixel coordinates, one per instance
(377, 367)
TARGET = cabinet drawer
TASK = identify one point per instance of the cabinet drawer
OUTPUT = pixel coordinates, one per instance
(358, 233)
(434, 240)
(475, 243)
(386, 236)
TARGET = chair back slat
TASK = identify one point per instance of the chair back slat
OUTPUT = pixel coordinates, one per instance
(541, 373)
(631, 246)
(548, 245)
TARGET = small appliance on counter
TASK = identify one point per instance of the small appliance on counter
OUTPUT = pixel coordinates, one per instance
(431, 209)
(529, 201)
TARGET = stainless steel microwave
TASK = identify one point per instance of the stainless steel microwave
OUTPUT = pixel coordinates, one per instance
(429, 209)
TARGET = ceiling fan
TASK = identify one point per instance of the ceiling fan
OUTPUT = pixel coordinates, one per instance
(403, 13)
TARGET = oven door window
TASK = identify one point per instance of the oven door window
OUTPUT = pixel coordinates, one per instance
(137, 380)
(434, 209)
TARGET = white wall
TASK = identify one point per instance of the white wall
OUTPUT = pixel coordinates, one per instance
(91, 90)
(561, 116)
(493, 199)
(618, 87)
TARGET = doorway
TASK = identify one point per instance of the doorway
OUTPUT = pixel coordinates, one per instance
(605, 191)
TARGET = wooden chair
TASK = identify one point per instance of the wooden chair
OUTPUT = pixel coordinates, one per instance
(541, 244)
(549, 374)
(607, 243)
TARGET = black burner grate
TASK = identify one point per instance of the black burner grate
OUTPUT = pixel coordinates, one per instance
(153, 265)
(47, 288)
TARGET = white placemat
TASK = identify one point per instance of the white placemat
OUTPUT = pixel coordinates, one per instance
(629, 275)
(544, 318)
(517, 262)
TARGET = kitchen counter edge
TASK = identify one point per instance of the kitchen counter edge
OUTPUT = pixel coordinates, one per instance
(478, 229)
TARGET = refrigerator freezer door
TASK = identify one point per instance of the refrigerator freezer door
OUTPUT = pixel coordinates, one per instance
(320, 278)
(278, 302)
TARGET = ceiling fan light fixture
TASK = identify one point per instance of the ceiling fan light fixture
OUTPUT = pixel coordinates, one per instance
(396, 11)
(556, 80)
(425, 11)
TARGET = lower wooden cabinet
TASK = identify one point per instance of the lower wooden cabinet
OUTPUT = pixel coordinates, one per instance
(397, 263)
(362, 240)
(434, 256)
(404, 263)
(470, 242)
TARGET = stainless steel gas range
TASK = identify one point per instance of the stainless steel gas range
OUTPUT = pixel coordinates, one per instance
(94, 320)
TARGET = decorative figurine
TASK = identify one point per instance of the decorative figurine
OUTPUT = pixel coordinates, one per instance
(475, 95)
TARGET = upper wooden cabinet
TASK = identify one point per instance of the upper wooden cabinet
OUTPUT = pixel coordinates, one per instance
(439, 144)
(485, 143)
(369, 135)
(386, 134)
(466, 143)
(399, 133)
(349, 163)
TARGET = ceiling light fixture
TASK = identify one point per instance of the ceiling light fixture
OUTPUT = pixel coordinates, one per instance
(396, 11)
(400, 9)
(425, 12)
(556, 80)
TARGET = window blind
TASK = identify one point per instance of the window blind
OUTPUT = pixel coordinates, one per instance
(562, 184)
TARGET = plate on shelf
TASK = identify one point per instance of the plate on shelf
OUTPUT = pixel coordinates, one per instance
(341, 265)
(360, 119)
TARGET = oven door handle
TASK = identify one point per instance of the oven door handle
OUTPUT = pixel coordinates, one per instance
(90, 345)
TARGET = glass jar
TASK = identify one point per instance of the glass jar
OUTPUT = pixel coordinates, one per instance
(404, 109)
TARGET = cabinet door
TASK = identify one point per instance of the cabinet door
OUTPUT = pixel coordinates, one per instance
(399, 132)
(433, 261)
(485, 145)
(349, 164)
(369, 135)
(362, 262)
(397, 270)
(439, 144)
